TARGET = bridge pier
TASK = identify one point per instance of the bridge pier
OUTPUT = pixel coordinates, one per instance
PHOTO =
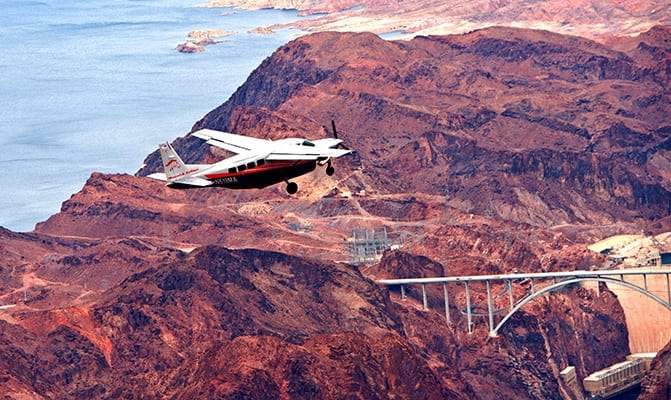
(489, 308)
(447, 304)
(425, 301)
(510, 294)
(468, 308)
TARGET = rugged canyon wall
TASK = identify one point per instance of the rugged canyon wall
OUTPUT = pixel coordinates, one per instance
(657, 385)
(539, 128)
(251, 323)
(496, 151)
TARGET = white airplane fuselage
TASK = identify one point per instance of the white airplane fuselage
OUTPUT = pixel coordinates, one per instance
(258, 163)
(255, 174)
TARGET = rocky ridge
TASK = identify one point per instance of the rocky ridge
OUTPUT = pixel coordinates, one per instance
(541, 128)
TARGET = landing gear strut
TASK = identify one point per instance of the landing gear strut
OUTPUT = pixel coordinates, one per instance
(292, 187)
(330, 170)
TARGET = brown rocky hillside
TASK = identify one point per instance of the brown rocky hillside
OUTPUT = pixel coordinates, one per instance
(498, 150)
(525, 126)
(258, 324)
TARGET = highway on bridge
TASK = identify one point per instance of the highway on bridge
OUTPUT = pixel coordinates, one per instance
(539, 284)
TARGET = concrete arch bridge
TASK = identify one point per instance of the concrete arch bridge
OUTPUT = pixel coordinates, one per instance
(536, 285)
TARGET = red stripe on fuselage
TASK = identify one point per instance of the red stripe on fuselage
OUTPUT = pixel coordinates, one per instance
(263, 175)
(268, 167)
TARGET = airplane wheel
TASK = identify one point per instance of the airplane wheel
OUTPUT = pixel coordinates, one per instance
(330, 170)
(292, 187)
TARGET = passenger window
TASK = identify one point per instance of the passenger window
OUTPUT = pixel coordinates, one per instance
(231, 170)
(251, 165)
(242, 168)
(261, 162)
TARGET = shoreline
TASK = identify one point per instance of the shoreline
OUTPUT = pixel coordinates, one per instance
(430, 17)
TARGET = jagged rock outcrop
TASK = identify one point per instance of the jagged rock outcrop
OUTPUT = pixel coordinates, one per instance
(657, 384)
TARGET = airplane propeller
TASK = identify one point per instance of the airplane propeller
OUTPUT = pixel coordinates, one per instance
(335, 135)
(329, 169)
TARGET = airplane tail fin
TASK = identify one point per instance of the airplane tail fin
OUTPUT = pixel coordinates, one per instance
(173, 164)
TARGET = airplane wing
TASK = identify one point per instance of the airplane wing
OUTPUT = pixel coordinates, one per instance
(328, 142)
(284, 149)
(301, 153)
(242, 158)
(231, 142)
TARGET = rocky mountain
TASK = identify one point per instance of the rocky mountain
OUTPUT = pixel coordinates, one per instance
(498, 150)
(540, 128)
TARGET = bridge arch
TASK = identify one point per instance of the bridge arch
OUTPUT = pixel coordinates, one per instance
(557, 285)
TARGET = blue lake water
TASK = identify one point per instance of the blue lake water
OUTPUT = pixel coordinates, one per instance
(95, 85)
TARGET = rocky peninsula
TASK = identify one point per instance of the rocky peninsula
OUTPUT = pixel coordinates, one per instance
(196, 40)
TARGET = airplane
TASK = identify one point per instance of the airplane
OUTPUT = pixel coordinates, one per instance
(258, 163)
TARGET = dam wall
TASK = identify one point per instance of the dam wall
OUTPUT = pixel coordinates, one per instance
(648, 322)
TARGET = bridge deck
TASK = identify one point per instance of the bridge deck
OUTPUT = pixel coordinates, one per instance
(540, 283)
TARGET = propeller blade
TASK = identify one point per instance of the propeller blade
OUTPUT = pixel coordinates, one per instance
(335, 135)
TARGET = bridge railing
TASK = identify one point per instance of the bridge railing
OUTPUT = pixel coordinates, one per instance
(539, 284)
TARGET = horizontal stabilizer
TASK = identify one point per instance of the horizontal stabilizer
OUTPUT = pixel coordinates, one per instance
(183, 182)
(190, 181)
(158, 175)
